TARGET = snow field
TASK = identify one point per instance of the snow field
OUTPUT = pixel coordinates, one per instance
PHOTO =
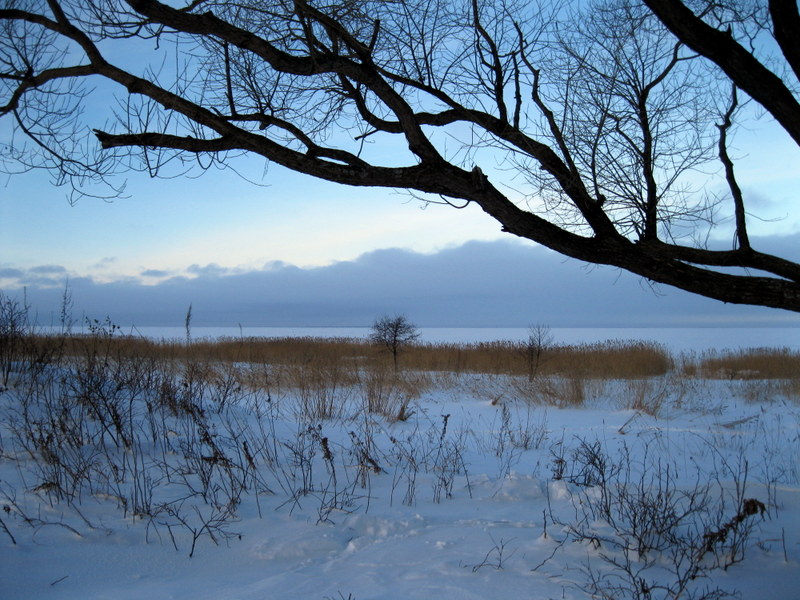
(478, 494)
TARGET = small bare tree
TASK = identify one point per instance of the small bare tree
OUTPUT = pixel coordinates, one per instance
(393, 333)
(540, 340)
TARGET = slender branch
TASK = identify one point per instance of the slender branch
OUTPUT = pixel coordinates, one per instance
(498, 83)
(730, 176)
(648, 164)
(555, 130)
(228, 79)
(33, 81)
(517, 93)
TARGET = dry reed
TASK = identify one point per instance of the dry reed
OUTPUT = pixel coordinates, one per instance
(346, 356)
(751, 363)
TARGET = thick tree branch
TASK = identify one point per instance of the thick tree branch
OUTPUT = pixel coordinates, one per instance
(743, 258)
(786, 26)
(741, 66)
(163, 140)
(568, 180)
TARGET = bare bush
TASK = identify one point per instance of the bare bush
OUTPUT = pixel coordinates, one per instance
(647, 535)
(15, 329)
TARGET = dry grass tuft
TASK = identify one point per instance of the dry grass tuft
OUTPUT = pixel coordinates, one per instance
(607, 360)
(330, 372)
(752, 363)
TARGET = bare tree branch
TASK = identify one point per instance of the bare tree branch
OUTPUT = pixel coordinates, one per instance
(744, 69)
(602, 127)
(730, 175)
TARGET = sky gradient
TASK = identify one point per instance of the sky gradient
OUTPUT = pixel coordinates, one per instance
(256, 244)
(292, 250)
(168, 225)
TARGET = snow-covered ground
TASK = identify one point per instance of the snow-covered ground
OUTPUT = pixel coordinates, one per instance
(476, 495)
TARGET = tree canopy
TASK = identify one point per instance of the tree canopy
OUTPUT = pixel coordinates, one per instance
(610, 121)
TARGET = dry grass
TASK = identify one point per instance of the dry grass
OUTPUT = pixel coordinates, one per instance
(752, 363)
(609, 360)
(648, 395)
(325, 371)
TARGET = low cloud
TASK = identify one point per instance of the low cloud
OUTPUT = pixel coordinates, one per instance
(210, 270)
(38, 277)
(11, 273)
(157, 273)
(478, 284)
(48, 270)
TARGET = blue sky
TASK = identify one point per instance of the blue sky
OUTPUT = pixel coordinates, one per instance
(168, 225)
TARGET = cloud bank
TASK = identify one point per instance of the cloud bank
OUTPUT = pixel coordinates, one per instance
(479, 284)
